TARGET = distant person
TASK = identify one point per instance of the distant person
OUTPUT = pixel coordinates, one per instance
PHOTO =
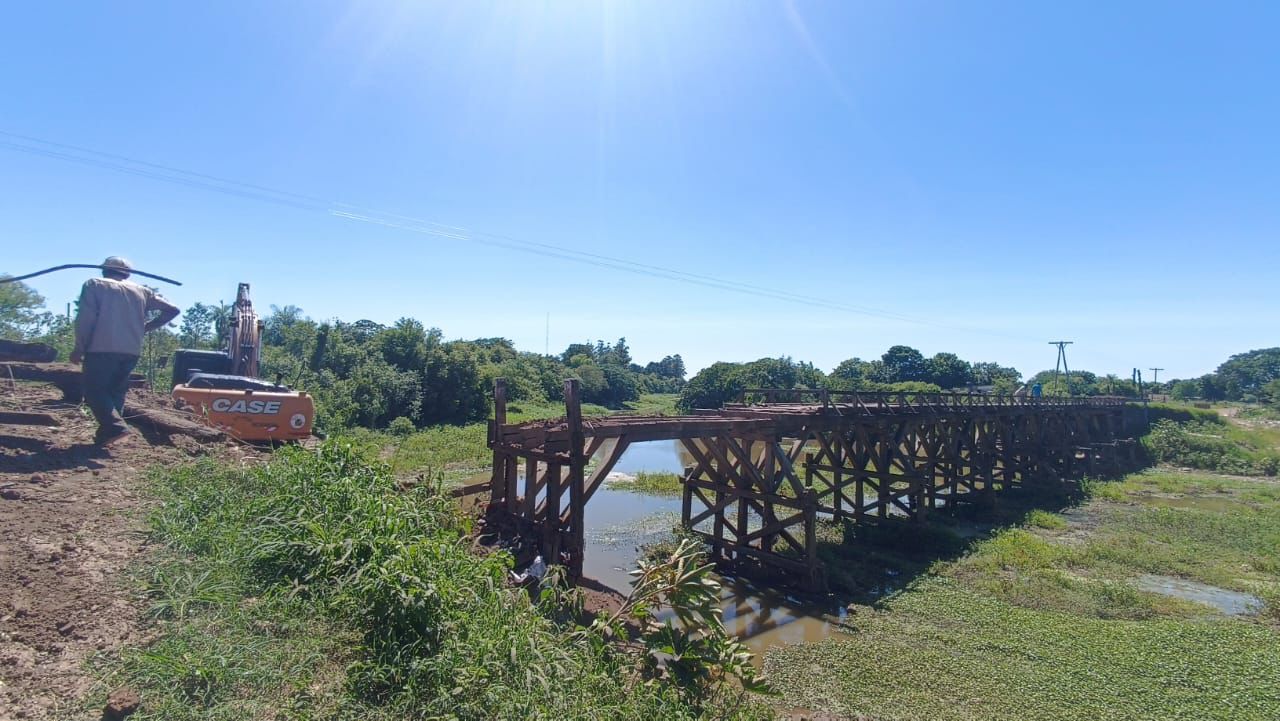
(1037, 390)
(109, 327)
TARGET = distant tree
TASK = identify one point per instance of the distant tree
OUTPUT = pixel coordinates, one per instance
(404, 345)
(1243, 375)
(618, 354)
(21, 316)
(622, 385)
(199, 326)
(496, 350)
(362, 331)
(1186, 390)
(903, 363)
(1270, 392)
(279, 321)
(1212, 388)
(595, 385)
(712, 386)
(946, 370)
(851, 374)
(671, 367)
(986, 373)
(577, 349)
(719, 383)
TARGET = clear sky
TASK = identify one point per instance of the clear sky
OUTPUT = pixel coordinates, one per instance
(1011, 173)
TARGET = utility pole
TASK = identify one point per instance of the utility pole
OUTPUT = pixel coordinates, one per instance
(1155, 374)
(1061, 362)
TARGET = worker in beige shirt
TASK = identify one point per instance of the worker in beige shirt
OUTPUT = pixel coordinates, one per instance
(112, 319)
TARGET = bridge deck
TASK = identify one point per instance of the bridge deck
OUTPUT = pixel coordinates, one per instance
(769, 417)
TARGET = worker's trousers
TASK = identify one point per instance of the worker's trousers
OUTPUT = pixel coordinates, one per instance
(106, 382)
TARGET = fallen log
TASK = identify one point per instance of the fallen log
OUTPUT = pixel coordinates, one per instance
(12, 350)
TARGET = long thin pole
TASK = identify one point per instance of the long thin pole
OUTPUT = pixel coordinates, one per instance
(84, 265)
(1155, 374)
(1061, 362)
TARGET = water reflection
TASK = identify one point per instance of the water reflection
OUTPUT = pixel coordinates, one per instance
(763, 617)
(618, 522)
(654, 457)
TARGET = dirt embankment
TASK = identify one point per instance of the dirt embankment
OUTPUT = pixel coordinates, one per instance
(70, 524)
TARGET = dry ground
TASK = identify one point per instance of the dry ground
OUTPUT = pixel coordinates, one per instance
(70, 521)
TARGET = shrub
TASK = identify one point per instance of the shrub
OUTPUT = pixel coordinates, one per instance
(401, 427)
(1206, 446)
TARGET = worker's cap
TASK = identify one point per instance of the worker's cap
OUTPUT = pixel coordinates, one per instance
(116, 262)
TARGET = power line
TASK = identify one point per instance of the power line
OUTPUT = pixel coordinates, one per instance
(301, 201)
(1155, 374)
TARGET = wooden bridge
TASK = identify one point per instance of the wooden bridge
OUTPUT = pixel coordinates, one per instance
(767, 468)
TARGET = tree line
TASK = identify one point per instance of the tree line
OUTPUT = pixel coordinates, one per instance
(367, 374)
(901, 368)
(1252, 377)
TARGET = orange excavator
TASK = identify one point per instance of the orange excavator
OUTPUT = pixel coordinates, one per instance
(224, 387)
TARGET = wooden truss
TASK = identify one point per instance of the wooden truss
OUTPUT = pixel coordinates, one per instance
(764, 472)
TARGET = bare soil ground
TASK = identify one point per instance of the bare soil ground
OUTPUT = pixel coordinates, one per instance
(70, 524)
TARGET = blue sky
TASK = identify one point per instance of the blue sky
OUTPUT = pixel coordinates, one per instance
(1010, 173)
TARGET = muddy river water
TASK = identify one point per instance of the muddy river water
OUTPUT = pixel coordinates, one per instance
(619, 521)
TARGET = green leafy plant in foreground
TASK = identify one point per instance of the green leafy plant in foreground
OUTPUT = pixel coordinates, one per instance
(690, 648)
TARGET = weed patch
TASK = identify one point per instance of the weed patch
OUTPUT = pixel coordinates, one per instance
(1044, 519)
(971, 656)
(315, 588)
(652, 483)
(1213, 447)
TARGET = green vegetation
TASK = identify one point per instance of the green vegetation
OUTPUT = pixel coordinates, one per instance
(1250, 377)
(942, 651)
(654, 484)
(454, 452)
(901, 368)
(22, 314)
(1215, 446)
(314, 587)
(1044, 519)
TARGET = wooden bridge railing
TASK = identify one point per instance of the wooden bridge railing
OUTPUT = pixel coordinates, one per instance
(918, 400)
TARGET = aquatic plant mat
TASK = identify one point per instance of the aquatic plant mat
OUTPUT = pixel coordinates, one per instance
(1058, 617)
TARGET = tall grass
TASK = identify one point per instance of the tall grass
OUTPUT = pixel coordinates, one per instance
(313, 587)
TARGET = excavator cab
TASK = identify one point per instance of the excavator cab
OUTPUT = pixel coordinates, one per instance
(224, 388)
